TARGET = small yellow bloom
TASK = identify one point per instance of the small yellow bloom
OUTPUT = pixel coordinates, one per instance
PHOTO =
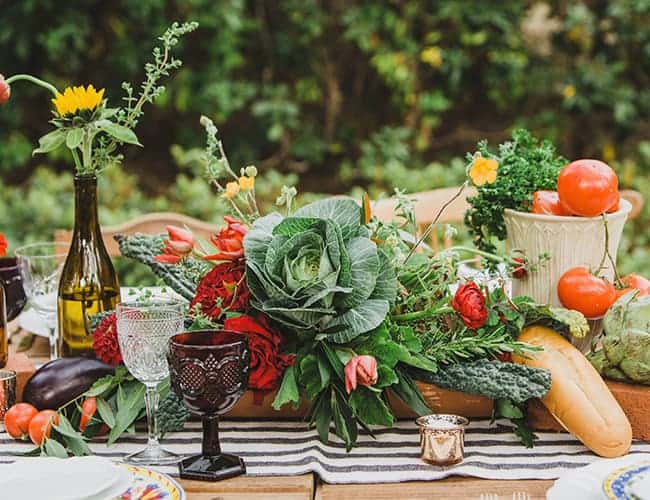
(569, 91)
(76, 99)
(232, 189)
(246, 183)
(483, 171)
(432, 56)
(609, 152)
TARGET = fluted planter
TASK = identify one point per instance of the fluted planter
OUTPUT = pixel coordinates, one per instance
(570, 241)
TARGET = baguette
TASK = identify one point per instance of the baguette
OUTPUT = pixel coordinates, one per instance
(578, 399)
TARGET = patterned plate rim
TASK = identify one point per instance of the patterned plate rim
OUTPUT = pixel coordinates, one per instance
(164, 479)
(613, 476)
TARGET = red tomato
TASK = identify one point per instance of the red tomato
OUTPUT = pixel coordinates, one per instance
(548, 202)
(17, 420)
(88, 409)
(580, 290)
(617, 205)
(635, 281)
(40, 427)
(587, 187)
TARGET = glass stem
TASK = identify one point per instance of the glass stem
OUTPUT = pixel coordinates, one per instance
(151, 398)
(211, 446)
(54, 345)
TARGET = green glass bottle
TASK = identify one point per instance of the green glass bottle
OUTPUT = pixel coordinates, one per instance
(88, 283)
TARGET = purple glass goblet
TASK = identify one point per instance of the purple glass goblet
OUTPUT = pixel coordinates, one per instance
(209, 370)
(12, 281)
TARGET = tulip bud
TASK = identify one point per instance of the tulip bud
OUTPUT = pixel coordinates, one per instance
(5, 90)
(361, 370)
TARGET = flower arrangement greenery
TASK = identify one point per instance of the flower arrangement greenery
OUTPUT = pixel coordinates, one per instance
(350, 308)
(85, 124)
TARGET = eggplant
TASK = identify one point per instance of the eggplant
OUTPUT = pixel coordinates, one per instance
(62, 380)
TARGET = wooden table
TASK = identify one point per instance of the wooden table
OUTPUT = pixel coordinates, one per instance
(308, 486)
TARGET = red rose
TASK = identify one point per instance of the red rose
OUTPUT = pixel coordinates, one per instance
(519, 270)
(230, 241)
(469, 302)
(5, 90)
(361, 370)
(223, 288)
(179, 244)
(105, 344)
(3, 245)
(267, 363)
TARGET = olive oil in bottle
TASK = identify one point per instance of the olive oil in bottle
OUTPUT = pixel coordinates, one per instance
(88, 283)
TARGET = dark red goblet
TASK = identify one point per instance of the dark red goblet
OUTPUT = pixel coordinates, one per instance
(12, 281)
(209, 370)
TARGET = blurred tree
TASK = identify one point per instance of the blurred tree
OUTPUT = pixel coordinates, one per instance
(346, 93)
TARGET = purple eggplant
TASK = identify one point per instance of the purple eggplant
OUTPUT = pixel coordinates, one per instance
(62, 380)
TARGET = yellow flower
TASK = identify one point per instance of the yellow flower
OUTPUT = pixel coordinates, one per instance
(76, 99)
(246, 183)
(432, 56)
(232, 189)
(483, 170)
(569, 91)
(609, 152)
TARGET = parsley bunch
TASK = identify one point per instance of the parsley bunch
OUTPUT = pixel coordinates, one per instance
(526, 165)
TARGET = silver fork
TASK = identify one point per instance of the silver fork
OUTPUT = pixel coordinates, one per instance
(520, 495)
(489, 496)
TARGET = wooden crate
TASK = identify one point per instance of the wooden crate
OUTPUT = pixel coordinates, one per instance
(634, 399)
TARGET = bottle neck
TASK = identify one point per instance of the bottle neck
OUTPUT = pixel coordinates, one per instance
(86, 220)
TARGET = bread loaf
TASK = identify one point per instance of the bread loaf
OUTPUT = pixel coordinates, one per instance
(579, 399)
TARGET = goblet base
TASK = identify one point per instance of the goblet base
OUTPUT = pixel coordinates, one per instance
(153, 456)
(214, 468)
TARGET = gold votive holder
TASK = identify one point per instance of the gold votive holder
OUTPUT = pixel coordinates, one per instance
(442, 438)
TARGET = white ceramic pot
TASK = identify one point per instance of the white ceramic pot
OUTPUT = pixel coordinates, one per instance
(570, 241)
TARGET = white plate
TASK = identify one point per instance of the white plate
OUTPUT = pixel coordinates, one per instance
(77, 478)
(586, 483)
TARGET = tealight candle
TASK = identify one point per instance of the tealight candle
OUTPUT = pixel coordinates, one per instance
(442, 438)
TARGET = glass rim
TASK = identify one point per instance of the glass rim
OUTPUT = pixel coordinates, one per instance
(6, 374)
(23, 251)
(243, 339)
(155, 303)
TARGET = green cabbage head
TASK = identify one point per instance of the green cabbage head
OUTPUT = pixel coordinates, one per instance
(318, 271)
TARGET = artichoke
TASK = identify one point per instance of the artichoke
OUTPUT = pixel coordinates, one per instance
(625, 353)
(318, 271)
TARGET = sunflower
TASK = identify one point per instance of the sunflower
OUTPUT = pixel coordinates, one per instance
(76, 99)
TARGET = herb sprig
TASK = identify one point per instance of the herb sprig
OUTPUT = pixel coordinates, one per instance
(526, 165)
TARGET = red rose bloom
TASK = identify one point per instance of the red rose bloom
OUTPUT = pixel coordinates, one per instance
(230, 241)
(5, 90)
(3, 245)
(223, 288)
(469, 302)
(105, 344)
(267, 363)
(519, 271)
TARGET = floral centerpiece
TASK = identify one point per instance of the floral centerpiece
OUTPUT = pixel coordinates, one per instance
(341, 308)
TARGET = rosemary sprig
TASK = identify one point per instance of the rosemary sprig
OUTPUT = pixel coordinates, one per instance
(464, 345)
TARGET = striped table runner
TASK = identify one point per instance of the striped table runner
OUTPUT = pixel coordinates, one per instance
(273, 447)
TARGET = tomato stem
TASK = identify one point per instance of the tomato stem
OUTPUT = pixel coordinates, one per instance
(607, 255)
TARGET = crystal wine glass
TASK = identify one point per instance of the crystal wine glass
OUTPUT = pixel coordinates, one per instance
(11, 279)
(144, 328)
(40, 265)
(209, 371)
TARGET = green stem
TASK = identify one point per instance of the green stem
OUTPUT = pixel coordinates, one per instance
(34, 80)
(418, 315)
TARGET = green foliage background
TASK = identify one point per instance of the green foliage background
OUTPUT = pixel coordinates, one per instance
(332, 95)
